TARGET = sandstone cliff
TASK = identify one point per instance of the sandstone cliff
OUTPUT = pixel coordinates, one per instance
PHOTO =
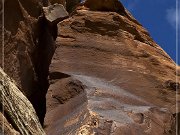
(129, 80)
(96, 72)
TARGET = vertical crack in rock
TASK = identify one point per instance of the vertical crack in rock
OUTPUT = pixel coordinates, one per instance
(42, 58)
(29, 47)
(47, 34)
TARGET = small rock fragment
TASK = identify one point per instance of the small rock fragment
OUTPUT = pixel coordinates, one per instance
(55, 13)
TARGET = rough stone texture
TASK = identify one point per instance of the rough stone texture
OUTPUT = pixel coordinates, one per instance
(29, 45)
(21, 32)
(55, 13)
(69, 4)
(107, 75)
(72, 113)
(124, 74)
(17, 109)
(5, 127)
(19, 44)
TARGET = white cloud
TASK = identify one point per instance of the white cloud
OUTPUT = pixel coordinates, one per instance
(172, 17)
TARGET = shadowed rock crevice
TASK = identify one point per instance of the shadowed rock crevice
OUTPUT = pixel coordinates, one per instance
(45, 47)
(12, 23)
(29, 46)
(57, 75)
(20, 44)
(71, 4)
(5, 127)
(8, 118)
(42, 59)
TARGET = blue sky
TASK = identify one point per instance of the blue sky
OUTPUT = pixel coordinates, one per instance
(159, 18)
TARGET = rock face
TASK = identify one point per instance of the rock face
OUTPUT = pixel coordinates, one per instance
(18, 110)
(106, 74)
(124, 74)
(29, 46)
(72, 113)
(5, 127)
(20, 43)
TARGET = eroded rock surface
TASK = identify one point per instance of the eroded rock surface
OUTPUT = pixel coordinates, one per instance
(17, 109)
(28, 46)
(20, 42)
(72, 113)
(107, 75)
(123, 73)
(5, 127)
(55, 13)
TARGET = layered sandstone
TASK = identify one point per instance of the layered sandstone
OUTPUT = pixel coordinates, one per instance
(97, 72)
(17, 109)
(128, 79)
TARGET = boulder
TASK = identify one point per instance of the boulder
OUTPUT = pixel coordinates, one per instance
(55, 13)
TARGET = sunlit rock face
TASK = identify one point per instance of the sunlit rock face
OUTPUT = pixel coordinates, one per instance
(96, 72)
(109, 77)
(17, 115)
